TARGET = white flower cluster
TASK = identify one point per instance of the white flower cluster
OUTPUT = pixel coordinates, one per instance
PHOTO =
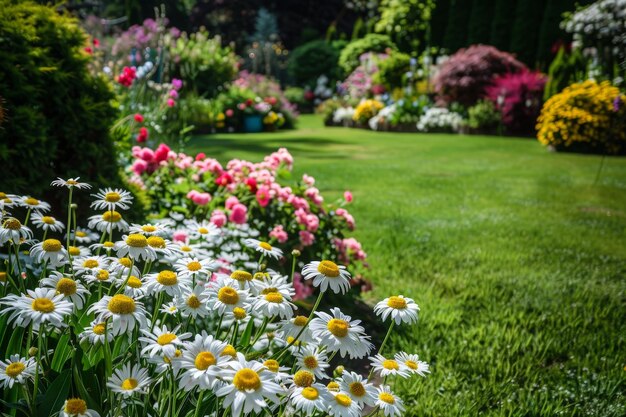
(439, 119)
(181, 330)
(343, 114)
(381, 116)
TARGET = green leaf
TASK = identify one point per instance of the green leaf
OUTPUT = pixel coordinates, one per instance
(247, 333)
(15, 343)
(56, 394)
(82, 389)
(62, 353)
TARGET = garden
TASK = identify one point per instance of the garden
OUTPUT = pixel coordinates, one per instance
(332, 208)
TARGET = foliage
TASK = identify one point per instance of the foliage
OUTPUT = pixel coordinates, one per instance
(518, 97)
(202, 61)
(313, 59)
(392, 71)
(366, 110)
(503, 21)
(465, 75)
(406, 22)
(566, 68)
(526, 29)
(360, 83)
(483, 115)
(410, 109)
(480, 20)
(585, 116)
(56, 115)
(439, 119)
(350, 57)
(457, 25)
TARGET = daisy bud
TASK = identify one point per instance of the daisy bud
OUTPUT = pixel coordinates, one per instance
(295, 253)
(32, 352)
(338, 371)
(74, 206)
(262, 267)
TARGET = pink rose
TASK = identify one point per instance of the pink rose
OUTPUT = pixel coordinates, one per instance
(162, 153)
(263, 195)
(279, 234)
(306, 238)
(312, 223)
(139, 166)
(231, 202)
(347, 196)
(238, 214)
(170, 102)
(218, 218)
(179, 236)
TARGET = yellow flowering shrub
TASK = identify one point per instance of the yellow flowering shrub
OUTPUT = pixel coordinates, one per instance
(587, 115)
(366, 110)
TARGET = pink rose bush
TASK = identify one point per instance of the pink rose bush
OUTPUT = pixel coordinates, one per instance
(255, 196)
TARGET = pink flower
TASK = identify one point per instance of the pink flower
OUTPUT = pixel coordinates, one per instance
(201, 199)
(308, 180)
(263, 195)
(306, 238)
(279, 234)
(218, 218)
(143, 135)
(224, 179)
(229, 113)
(201, 156)
(238, 214)
(347, 195)
(179, 236)
(147, 154)
(177, 84)
(170, 102)
(302, 290)
(139, 166)
(138, 118)
(173, 94)
(231, 202)
(252, 185)
(162, 153)
(312, 223)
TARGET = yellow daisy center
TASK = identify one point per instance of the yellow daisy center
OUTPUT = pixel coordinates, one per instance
(3, 276)
(90, 263)
(136, 240)
(338, 327)
(31, 201)
(390, 364)
(310, 393)
(121, 304)
(167, 278)
(148, 228)
(274, 297)
(357, 389)
(81, 234)
(292, 341)
(15, 369)
(75, 406)
(130, 384)
(12, 224)
(265, 245)
(112, 197)
(272, 365)
(247, 380)
(228, 295)
(99, 329)
(303, 378)
(261, 275)
(74, 251)
(66, 286)
(186, 248)
(241, 275)
(300, 321)
(343, 400)
(229, 350)
(239, 313)
(157, 242)
(269, 290)
(398, 303)
(103, 275)
(194, 266)
(193, 301)
(328, 268)
(71, 182)
(166, 339)
(310, 362)
(111, 216)
(3, 195)
(108, 244)
(51, 245)
(203, 230)
(386, 397)
(411, 364)
(204, 360)
(43, 305)
(134, 282)
(125, 262)
(333, 386)
(48, 220)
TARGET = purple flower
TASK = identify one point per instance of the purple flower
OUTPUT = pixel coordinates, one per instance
(177, 83)
(617, 102)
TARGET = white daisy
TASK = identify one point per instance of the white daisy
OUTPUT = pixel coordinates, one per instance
(47, 223)
(387, 367)
(151, 229)
(387, 401)
(89, 265)
(162, 342)
(193, 303)
(121, 267)
(186, 249)
(162, 246)
(124, 311)
(111, 199)
(273, 303)
(16, 370)
(70, 183)
(312, 359)
(33, 204)
(135, 287)
(99, 276)
(292, 327)
(8, 200)
(41, 305)
(201, 230)
(400, 308)
(281, 373)
(129, 380)
(135, 246)
(327, 274)
(249, 387)
(75, 407)
(265, 248)
(225, 295)
(84, 236)
(109, 220)
(413, 364)
(167, 281)
(195, 267)
(358, 388)
(95, 333)
(170, 309)
(78, 251)
(311, 399)
(264, 283)
(340, 333)
(202, 362)
(107, 246)
(72, 290)
(12, 230)
(341, 405)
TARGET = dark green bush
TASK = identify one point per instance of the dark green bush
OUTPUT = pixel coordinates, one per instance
(309, 61)
(349, 58)
(57, 115)
(392, 71)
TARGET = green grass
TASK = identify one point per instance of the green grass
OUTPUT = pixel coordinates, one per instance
(516, 258)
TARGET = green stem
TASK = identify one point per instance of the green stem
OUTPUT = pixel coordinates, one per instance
(317, 303)
(69, 222)
(199, 404)
(42, 331)
(382, 345)
(27, 217)
(260, 332)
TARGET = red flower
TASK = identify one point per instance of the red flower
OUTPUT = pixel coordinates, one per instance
(309, 95)
(224, 179)
(89, 50)
(138, 118)
(161, 153)
(249, 102)
(96, 42)
(252, 186)
(201, 156)
(143, 135)
(127, 76)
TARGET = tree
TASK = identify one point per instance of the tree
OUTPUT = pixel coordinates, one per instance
(458, 21)
(480, 21)
(525, 36)
(406, 22)
(503, 18)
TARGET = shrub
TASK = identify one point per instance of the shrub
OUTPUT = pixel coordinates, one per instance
(439, 119)
(350, 55)
(483, 115)
(56, 115)
(587, 116)
(360, 83)
(392, 71)
(565, 69)
(405, 21)
(313, 59)
(518, 97)
(366, 110)
(465, 75)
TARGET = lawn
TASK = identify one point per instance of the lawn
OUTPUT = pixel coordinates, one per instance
(515, 255)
